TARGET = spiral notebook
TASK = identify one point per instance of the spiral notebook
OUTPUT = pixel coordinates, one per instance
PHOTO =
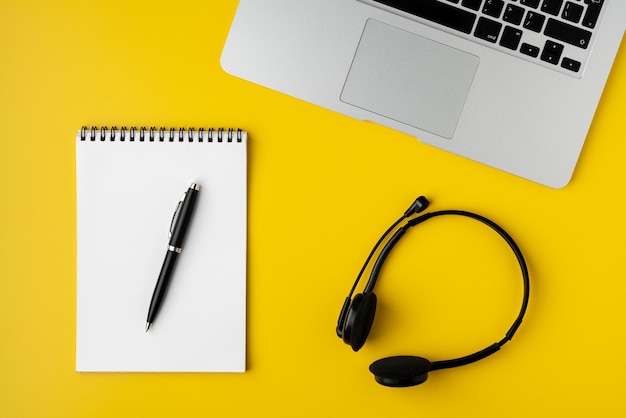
(128, 182)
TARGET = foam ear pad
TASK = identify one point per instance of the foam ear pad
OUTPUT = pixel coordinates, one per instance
(401, 371)
(359, 320)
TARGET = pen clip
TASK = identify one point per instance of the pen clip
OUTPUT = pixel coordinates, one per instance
(175, 215)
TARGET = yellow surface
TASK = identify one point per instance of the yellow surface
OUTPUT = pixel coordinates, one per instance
(322, 187)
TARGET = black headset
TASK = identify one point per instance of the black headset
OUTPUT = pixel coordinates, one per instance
(357, 315)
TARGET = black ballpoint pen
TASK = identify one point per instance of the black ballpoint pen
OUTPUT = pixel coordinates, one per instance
(178, 229)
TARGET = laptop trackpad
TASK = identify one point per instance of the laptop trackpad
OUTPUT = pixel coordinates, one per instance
(409, 78)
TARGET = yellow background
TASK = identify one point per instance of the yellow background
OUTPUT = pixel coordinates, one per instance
(322, 188)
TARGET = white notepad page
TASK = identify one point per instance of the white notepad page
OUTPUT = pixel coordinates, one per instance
(127, 191)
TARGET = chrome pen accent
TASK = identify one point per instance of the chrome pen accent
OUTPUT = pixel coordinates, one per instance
(175, 249)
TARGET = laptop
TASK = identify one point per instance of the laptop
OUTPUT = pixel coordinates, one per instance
(512, 84)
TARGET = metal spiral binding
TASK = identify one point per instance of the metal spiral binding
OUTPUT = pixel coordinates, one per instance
(161, 135)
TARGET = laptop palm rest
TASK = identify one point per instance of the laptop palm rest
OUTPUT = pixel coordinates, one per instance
(409, 78)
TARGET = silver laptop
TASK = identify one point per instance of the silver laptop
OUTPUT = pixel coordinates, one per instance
(513, 84)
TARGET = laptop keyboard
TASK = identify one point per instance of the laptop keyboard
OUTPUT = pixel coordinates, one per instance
(556, 34)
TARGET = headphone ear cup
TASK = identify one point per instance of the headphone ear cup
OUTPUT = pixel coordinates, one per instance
(359, 320)
(401, 371)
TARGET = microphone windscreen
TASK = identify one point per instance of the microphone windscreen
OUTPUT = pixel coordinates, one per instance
(420, 205)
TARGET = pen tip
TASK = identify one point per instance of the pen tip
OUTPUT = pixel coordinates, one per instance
(147, 326)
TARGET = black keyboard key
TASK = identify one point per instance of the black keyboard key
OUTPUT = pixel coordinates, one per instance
(570, 64)
(444, 14)
(511, 37)
(530, 50)
(513, 14)
(567, 33)
(530, 3)
(534, 21)
(593, 12)
(472, 4)
(552, 52)
(487, 29)
(493, 8)
(552, 7)
(572, 12)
